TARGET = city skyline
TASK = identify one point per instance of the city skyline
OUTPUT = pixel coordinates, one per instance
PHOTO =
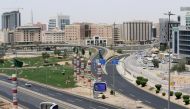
(98, 11)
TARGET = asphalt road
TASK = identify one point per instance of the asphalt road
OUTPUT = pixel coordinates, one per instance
(129, 90)
(31, 102)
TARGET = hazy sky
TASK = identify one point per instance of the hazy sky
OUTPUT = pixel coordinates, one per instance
(97, 11)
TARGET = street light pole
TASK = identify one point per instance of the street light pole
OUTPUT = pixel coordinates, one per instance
(169, 14)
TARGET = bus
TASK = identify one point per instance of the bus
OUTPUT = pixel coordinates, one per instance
(48, 105)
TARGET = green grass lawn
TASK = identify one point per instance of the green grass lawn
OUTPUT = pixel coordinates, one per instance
(47, 75)
(34, 61)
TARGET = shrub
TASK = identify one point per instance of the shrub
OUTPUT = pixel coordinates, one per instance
(103, 97)
(157, 91)
(138, 82)
(143, 83)
(145, 79)
(1, 61)
(112, 92)
(66, 63)
(158, 86)
(186, 101)
(140, 78)
(171, 93)
(163, 93)
(185, 96)
(178, 95)
(119, 51)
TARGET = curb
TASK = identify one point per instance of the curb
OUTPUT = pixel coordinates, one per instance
(149, 91)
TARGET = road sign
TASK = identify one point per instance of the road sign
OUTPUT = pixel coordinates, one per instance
(100, 86)
(102, 61)
(115, 61)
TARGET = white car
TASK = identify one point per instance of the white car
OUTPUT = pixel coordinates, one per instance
(28, 84)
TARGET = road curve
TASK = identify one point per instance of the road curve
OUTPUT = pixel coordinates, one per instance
(128, 89)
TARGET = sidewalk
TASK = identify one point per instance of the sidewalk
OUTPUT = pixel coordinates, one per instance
(132, 78)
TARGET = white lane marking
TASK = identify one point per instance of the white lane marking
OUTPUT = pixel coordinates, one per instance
(132, 95)
(78, 99)
(148, 101)
(102, 107)
(70, 100)
(92, 107)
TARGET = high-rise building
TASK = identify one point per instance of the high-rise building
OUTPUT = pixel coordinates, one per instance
(164, 24)
(137, 32)
(181, 42)
(11, 20)
(58, 22)
(185, 16)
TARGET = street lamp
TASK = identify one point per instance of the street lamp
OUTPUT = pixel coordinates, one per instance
(169, 14)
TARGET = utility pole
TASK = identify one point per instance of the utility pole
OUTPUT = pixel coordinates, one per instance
(169, 14)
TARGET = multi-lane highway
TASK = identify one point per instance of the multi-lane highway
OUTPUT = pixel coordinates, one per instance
(32, 102)
(129, 90)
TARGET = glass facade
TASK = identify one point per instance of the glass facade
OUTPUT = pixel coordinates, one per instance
(184, 42)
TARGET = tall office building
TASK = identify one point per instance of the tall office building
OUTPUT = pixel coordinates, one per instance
(11, 20)
(164, 24)
(185, 16)
(137, 31)
(181, 42)
(58, 22)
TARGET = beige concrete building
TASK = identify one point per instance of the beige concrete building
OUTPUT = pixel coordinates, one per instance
(75, 34)
(41, 25)
(53, 36)
(137, 31)
(103, 31)
(27, 34)
(117, 34)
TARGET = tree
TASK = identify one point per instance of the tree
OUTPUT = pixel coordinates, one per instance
(155, 63)
(45, 56)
